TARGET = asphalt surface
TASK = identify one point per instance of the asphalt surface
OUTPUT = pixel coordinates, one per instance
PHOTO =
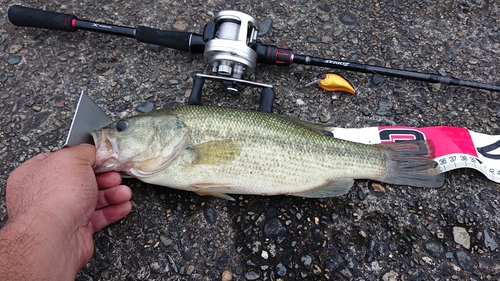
(401, 233)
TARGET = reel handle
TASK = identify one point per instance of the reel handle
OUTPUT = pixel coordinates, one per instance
(195, 96)
(29, 17)
(266, 100)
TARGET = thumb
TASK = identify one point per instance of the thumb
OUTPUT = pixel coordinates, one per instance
(83, 152)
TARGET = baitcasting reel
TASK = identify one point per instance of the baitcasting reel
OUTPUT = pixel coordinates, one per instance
(228, 49)
(228, 39)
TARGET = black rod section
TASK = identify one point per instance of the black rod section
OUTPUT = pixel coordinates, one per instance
(104, 28)
(182, 41)
(392, 72)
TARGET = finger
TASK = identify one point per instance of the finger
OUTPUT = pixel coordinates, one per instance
(109, 179)
(106, 216)
(83, 152)
(113, 196)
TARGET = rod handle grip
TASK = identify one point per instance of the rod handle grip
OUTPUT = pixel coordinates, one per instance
(177, 40)
(29, 17)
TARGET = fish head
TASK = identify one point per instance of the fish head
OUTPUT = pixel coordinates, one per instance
(140, 145)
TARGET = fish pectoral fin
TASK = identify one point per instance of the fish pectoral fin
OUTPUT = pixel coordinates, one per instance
(203, 188)
(331, 188)
(215, 152)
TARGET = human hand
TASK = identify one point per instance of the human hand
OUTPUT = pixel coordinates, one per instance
(55, 202)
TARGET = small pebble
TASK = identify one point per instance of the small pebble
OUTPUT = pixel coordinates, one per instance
(317, 270)
(105, 274)
(210, 215)
(312, 39)
(227, 276)
(155, 265)
(461, 237)
(166, 241)
(222, 261)
(265, 26)
(155, 48)
(338, 32)
(14, 60)
(489, 240)
(103, 265)
(377, 81)
(274, 228)
(251, 275)
(173, 82)
(280, 269)
(348, 18)
(361, 194)
(145, 107)
(306, 260)
(120, 69)
(434, 248)
(264, 255)
(390, 276)
(464, 261)
(384, 108)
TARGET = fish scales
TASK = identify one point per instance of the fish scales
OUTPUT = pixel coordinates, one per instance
(275, 155)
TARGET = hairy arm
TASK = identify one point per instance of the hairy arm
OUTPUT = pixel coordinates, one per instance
(55, 203)
(30, 249)
(15, 244)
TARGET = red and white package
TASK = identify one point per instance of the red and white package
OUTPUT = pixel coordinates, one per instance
(454, 147)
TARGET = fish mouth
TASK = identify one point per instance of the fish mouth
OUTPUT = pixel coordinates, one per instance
(107, 152)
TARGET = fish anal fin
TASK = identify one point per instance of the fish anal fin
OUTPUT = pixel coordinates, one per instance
(215, 152)
(205, 189)
(331, 188)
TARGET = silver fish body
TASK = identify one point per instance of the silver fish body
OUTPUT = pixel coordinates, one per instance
(215, 151)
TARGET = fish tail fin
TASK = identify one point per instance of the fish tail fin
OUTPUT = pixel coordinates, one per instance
(412, 163)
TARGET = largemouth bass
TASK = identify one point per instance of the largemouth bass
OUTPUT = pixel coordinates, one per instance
(219, 151)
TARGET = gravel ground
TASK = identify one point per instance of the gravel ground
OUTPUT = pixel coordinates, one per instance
(372, 233)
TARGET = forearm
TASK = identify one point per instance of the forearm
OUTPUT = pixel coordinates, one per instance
(16, 243)
(29, 249)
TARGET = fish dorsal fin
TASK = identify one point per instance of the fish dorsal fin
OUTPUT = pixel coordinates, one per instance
(215, 152)
(316, 128)
(331, 188)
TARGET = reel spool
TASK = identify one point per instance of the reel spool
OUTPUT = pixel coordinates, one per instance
(227, 44)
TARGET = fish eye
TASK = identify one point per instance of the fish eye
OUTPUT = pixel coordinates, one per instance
(121, 125)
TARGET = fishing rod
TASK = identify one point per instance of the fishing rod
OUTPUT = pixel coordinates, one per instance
(229, 43)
